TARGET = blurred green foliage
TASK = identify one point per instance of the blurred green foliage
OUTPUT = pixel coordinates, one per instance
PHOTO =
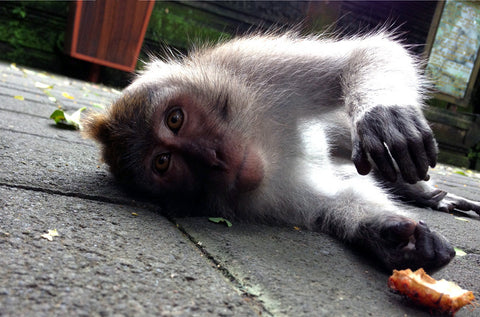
(28, 32)
(474, 153)
(179, 25)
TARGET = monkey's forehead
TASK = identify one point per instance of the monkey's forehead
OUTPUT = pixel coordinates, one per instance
(159, 73)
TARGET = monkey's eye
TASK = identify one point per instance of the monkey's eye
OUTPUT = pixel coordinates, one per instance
(175, 120)
(161, 163)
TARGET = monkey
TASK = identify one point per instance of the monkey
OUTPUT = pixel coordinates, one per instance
(319, 132)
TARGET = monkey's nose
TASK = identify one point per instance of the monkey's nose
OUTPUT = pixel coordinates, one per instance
(214, 159)
(205, 155)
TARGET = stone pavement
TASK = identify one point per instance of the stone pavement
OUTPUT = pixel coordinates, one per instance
(118, 256)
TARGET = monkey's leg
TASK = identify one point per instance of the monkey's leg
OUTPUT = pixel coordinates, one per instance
(368, 219)
(425, 195)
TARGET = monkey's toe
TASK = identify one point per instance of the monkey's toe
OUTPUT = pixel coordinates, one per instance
(432, 250)
(400, 243)
(398, 230)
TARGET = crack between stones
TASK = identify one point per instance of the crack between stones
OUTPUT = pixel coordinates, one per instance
(48, 137)
(251, 299)
(96, 198)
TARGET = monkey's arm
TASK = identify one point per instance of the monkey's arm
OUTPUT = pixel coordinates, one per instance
(383, 94)
(374, 78)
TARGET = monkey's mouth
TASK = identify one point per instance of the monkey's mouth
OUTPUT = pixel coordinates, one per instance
(250, 171)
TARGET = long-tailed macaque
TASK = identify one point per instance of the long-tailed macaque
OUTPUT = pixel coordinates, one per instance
(266, 127)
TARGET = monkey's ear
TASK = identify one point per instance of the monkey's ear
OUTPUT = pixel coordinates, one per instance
(95, 126)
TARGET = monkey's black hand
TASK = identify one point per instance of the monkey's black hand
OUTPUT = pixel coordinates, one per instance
(401, 243)
(395, 132)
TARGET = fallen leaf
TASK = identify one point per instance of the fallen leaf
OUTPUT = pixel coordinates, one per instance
(51, 233)
(66, 95)
(50, 96)
(19, 97)
(62, 118)
(42, 85)
(48, 237)
(98, 105)
(28, 71)
(459, 252)
(220, 220)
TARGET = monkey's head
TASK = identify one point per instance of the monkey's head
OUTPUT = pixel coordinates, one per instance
(179, 134)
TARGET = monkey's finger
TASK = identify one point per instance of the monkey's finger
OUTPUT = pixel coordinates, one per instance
(398, 229)
(406, 165)
(411, 158)
(420, 158)
(383, 161)
(429, 143)
(360, 159)
(409, 149)
(423, 240)
(431, 148)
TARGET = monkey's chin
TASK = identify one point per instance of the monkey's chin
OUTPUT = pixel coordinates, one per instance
(250, 173)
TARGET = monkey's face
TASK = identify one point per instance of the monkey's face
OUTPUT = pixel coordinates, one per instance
(176, 143)
(192, 147)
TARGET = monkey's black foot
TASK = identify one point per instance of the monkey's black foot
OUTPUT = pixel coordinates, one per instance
(451, 202)
(401, 243)
(425, 195)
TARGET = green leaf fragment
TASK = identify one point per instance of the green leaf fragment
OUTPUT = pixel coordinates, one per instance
(50, 96)
(58, 116)
(459, 252)
(220, 220)
(98, 105)
(64, 119)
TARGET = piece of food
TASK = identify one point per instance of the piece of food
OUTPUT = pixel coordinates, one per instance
(441, 295)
